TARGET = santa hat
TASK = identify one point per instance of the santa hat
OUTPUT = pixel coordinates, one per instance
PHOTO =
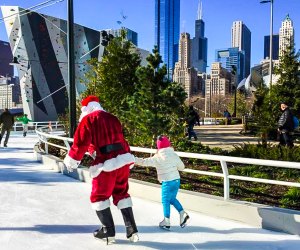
(88, 99)
(89, 104)
(163, 142)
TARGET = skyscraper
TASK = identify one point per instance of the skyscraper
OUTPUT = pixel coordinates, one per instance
(275, 47)
(199, 44)
(183, 72)
(167, 18)
(286, 35)
(241, 38)
(232, 57)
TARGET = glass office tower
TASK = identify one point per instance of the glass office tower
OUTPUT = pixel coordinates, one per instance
(167, 18)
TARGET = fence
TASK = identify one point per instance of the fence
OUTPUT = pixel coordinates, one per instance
(33, 126)
(44, 137)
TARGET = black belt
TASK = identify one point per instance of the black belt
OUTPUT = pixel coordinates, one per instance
(110, 148)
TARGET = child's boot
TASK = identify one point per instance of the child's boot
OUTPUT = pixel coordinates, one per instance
(184, 217)
(165, 224)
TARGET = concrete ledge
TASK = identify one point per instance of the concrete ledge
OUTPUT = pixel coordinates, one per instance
(272, 218)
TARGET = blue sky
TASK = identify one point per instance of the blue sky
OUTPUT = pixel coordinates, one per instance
(217, 14)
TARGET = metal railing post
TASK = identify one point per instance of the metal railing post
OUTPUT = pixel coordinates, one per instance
(226, 180)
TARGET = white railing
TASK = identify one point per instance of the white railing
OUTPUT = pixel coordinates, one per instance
(43, 137)
(33, 126)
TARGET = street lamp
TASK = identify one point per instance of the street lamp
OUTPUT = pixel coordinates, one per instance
(271, 39)
(234, 73)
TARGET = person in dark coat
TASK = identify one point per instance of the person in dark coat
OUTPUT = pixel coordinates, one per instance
(285, 126)
(192, 119)
(7, 121)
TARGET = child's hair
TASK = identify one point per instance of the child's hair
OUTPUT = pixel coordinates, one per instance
(162, 142)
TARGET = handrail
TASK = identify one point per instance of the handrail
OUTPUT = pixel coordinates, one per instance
(43, 137)
(32, 126)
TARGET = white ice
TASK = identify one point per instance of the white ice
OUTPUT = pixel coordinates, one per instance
(42, 210)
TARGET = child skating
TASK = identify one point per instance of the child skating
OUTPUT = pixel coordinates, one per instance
(167, 164)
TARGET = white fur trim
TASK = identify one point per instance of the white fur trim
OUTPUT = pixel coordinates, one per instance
(112, 164)
(124, 203)
(101, 205)
(118, 162)
(96, 170)
(71, 163)
(91, 107)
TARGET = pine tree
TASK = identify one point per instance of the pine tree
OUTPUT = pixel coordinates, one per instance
(113, 79)
(157, 103)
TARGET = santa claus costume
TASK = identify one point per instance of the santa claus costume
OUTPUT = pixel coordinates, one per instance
(100, 134)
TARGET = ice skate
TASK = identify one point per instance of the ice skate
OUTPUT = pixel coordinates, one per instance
(165, 224)
(104, 234)
(107, 231)
(131, 229)
(184, 217)
(134, 237)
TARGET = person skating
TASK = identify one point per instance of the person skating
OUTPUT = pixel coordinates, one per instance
(25, 120)
(7, 121)
(100, 133)
(167, 164)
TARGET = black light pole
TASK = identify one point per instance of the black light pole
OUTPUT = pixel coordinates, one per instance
(71, 70)
(271, 40)
(234, 73)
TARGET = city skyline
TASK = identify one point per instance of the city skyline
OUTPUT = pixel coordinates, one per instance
(217, 15)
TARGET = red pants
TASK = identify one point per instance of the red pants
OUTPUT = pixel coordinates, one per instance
(108, 184)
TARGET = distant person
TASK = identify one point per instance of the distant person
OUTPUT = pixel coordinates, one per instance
(192, 119)
(7, 121)
(227, 116)
(285, 126)
(25, 120)
(167, 164)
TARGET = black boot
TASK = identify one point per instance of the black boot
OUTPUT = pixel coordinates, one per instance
(131, 229)
(0, 138)
(24, 134)
(107, 231)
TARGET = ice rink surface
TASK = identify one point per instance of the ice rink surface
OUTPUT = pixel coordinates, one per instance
(44, 210)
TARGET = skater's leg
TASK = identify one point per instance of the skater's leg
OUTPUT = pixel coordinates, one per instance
(123, 201)
(6, 137)
(165, 199)
(102, 187)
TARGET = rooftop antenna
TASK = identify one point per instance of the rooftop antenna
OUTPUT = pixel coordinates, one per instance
(200, 10)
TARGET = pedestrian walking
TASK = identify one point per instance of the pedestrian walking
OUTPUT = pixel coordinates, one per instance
(192, 119)
(167, 164)
(285, 126)
(101, 134)
(25, 120)
(7, 121)
(227, 116)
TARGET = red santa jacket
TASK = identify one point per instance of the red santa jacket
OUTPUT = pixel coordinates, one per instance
(102, 132)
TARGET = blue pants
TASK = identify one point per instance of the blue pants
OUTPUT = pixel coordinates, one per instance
(191, 132)
(169, 190)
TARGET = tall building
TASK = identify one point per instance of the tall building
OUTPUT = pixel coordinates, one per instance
(275, 47)
(183, 72)
(6, 57)
(232, 57)
(286, 35)
(167, 25)
(130, 34)
(199, 44)
(241, 38)
(217, 86)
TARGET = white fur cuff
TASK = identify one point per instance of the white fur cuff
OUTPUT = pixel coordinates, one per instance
(70, 162)
(127, 202)
(101, 205)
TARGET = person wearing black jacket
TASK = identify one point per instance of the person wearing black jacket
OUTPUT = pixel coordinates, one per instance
(285, 126)
(7, 121)
(192, 119)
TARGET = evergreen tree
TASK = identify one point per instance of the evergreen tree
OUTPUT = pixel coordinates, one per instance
(157, 104)
(113, 79)
(287, 87)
